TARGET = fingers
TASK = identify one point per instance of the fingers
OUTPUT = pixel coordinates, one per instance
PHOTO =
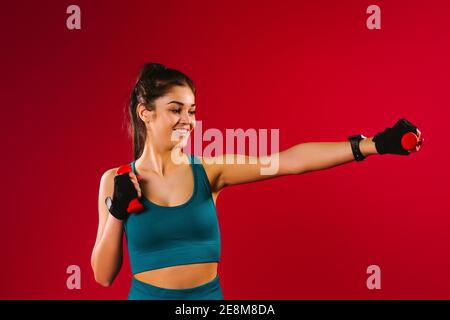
(419, 143)
(132, 175)
(134, 179)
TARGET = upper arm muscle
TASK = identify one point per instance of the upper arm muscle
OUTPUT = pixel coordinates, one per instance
(241, 169)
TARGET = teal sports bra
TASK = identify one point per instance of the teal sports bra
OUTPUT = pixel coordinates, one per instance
(161, 236)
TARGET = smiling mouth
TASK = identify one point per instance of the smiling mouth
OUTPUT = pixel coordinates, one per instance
(181, 131)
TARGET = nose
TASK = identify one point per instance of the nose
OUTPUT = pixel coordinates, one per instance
(184, 117)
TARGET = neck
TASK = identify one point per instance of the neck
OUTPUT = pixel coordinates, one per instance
(159, 161)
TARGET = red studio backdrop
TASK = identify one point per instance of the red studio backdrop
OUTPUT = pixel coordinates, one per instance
(312, 69)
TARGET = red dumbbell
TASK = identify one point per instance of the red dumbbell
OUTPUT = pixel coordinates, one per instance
(135, 205)
(410, 140)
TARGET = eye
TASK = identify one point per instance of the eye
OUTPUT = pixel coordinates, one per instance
(175, 110)
(192, 112)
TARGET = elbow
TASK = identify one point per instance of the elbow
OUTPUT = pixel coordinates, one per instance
(293, 170)
(105, 271)
(103, 283)
(300, 168)
(100, 276)
(102, 280)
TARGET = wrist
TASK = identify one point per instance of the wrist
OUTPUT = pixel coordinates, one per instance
(115, 218)
(367, 147)
(115, 209)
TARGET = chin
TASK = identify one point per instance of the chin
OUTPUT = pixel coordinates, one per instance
(180, 141)
(181, 144)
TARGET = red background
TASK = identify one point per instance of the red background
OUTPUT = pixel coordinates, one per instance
(310, 68)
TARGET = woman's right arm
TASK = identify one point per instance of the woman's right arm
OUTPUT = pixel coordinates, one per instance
(106, 258)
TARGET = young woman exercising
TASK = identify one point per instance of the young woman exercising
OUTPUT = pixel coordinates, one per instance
(174, 240)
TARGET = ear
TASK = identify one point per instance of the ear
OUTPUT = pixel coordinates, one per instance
(144, 114)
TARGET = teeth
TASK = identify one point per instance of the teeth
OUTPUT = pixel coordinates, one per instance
(182, 131)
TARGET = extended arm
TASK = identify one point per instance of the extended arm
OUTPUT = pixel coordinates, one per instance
(298, 159)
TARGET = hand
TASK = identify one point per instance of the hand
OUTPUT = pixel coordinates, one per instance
(126, 189)
(135, 179)
(390, 140)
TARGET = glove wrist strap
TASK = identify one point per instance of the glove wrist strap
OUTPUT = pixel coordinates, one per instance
(354, 142)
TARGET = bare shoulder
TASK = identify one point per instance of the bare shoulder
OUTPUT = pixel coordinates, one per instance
(107, 182)
(213, 168)
(109, 174)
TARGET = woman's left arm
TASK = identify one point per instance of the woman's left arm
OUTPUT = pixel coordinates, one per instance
(300, 158)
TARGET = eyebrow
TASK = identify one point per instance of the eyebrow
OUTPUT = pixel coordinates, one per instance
(180, 103)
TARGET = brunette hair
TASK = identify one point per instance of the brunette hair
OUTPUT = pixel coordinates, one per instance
(153, 82)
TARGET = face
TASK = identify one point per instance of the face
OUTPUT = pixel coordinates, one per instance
(173, 119)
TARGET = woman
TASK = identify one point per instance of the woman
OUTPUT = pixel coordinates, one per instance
(174, 242)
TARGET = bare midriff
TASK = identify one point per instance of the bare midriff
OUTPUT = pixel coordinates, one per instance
(181, 276)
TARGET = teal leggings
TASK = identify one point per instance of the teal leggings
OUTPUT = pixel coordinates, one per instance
(143, 291)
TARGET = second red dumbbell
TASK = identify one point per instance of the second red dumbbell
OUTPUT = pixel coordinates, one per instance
(135, 205)
(410, 140)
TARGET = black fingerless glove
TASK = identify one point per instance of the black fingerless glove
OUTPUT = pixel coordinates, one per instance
(389, 141)
(124, 192)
